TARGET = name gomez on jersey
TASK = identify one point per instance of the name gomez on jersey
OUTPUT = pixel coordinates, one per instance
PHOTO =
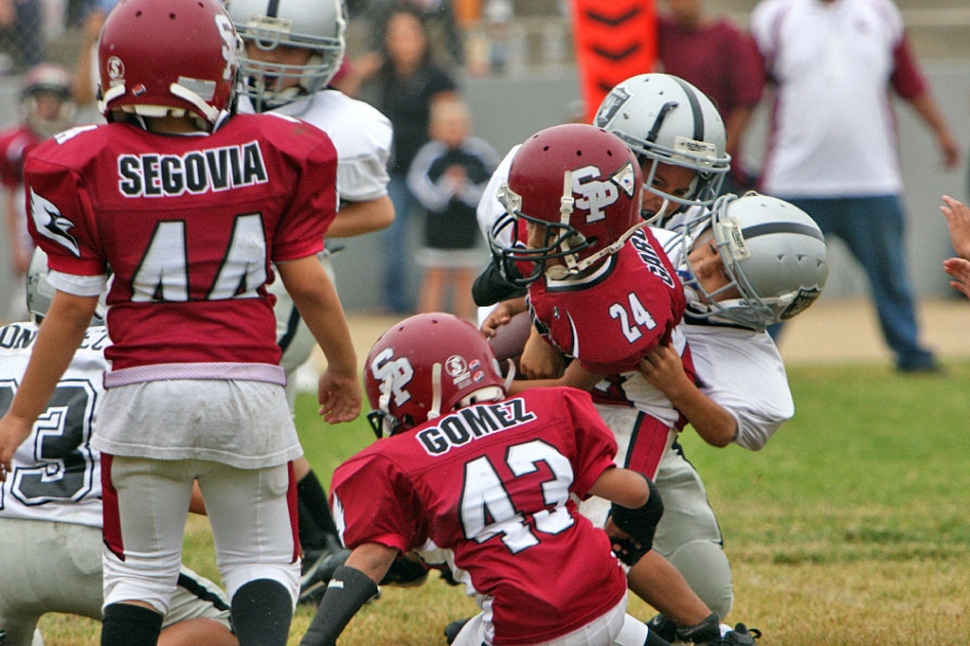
(189, 226)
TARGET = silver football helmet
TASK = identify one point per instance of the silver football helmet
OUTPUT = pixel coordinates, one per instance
(774, 255)
(665, 119)
(40, 293)
(315, 25)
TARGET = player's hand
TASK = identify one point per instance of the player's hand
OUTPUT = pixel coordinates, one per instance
(624, 546)
(13, 431)
(340, 397)
(958, 221)
(540, 360)
(959, 270)
(664, 370)
(500, 315)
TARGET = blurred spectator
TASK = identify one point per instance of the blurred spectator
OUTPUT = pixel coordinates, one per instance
(85, 86)
(22, 33)
(833, 150)
(447, 178)
(46, 109)
(446, 42)
(405, 86)
(723, 62)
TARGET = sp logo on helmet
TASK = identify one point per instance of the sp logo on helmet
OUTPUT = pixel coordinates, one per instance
(596, 194)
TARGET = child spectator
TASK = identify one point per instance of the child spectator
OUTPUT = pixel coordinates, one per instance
(447, 177)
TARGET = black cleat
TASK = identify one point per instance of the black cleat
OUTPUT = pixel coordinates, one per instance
(741, 636)
(452, 629)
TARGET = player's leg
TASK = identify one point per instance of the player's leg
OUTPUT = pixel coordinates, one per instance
(688, 535)
(145, 507)
(253, 514)
(37, 564)
(198, 614)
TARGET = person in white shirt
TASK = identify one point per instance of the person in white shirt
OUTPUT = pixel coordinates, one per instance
(833, 139)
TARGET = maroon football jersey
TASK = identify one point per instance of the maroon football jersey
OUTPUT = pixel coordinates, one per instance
(15, 143)
(492, 483)
(188, 225)
(611, 318)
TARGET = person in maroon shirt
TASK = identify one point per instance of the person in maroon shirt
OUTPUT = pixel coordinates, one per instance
(723, 62)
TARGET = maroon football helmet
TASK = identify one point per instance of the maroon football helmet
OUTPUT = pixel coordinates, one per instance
(426, 366)
(172, 57)
(584, 184)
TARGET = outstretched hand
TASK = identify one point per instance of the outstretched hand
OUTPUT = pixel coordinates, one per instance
(959, 270)
(958, 221)
(340, 397)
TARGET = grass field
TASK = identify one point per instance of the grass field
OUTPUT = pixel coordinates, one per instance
(850, 527)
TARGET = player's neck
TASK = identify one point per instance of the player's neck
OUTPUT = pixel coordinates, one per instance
(170, 125)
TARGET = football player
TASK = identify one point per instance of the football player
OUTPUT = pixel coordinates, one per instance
(50, 506)
(188, 205)
(685, 173)
(485, 482)
(292, 50)
(45, 100)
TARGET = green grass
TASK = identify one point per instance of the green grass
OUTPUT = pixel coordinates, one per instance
(850, 527)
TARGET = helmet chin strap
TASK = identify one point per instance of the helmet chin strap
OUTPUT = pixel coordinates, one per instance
(436, 391)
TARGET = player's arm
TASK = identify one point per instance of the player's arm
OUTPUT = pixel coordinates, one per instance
(358, 218)
(575, 376)
(663, 369)
(59, 336)
(352, 585)
(635, 513)
(310, 288)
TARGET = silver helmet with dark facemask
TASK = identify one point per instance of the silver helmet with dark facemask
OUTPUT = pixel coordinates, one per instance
(276, 26)
(666, 120)
(774, 261)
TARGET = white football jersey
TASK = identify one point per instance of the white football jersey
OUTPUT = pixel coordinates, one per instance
(56, 473)
(740, 369)
(360, 133)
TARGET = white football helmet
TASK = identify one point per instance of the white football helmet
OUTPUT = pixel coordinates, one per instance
(40, 293)
(665, 119)
(316, 25)
(773, 253)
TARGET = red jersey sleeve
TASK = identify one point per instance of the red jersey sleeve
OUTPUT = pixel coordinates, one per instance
(368, 495)
(61, 218)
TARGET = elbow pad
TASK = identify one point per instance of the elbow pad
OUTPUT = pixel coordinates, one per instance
(640, 523)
